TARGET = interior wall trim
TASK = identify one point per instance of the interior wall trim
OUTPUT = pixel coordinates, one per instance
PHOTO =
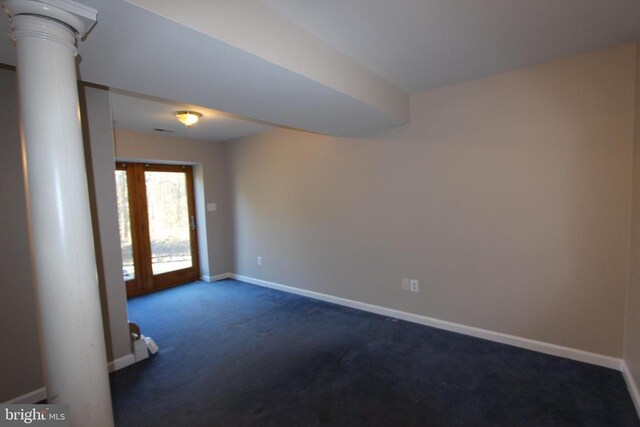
(216, 277)
(41, 393)
(121, 362)
(632, 386)
(28, 398)
(529, 344)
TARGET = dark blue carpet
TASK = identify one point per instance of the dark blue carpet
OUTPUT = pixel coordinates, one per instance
(233, 354)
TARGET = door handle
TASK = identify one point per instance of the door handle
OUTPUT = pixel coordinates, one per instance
(193, 222)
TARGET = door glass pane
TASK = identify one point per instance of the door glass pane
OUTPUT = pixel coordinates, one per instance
(124, 223)
(169, 225)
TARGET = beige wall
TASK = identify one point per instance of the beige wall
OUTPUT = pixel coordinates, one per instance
(632, 332)
(20, 368)
(211, 187)
(507, 197)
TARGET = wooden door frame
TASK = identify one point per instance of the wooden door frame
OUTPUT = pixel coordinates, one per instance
(145, 281)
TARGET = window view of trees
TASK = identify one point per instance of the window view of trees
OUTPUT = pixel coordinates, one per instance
(168, 221)
(124, 223)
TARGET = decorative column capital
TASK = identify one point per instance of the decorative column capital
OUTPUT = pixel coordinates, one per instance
(78, 17)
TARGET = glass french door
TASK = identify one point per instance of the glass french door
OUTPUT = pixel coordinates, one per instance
(158, 232)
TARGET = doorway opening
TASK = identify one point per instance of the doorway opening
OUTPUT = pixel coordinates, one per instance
(158, 230)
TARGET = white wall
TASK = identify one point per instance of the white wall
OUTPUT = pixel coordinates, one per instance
(100, 159)
(507, 197)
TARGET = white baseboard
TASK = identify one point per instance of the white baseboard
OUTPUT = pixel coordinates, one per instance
(217, 277)
(121, 362)
(41, 393)
(539, 346)
(28, 398)
(631, 385)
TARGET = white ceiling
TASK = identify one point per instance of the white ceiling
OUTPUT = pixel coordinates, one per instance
(316, 65)
(138, 50)
(422, 44)
(146, 114)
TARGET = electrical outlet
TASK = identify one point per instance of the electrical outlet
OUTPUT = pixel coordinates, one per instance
(259, 260)
(414, 285)
(405, 284)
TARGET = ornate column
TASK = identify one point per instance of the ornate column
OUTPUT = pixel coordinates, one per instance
(71, 334)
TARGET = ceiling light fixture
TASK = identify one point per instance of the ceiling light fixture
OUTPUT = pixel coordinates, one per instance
(188, 118)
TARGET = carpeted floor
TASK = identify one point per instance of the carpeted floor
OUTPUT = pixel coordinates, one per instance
(234, 354)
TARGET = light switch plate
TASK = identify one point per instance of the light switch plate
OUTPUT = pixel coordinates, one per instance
(211, 207)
